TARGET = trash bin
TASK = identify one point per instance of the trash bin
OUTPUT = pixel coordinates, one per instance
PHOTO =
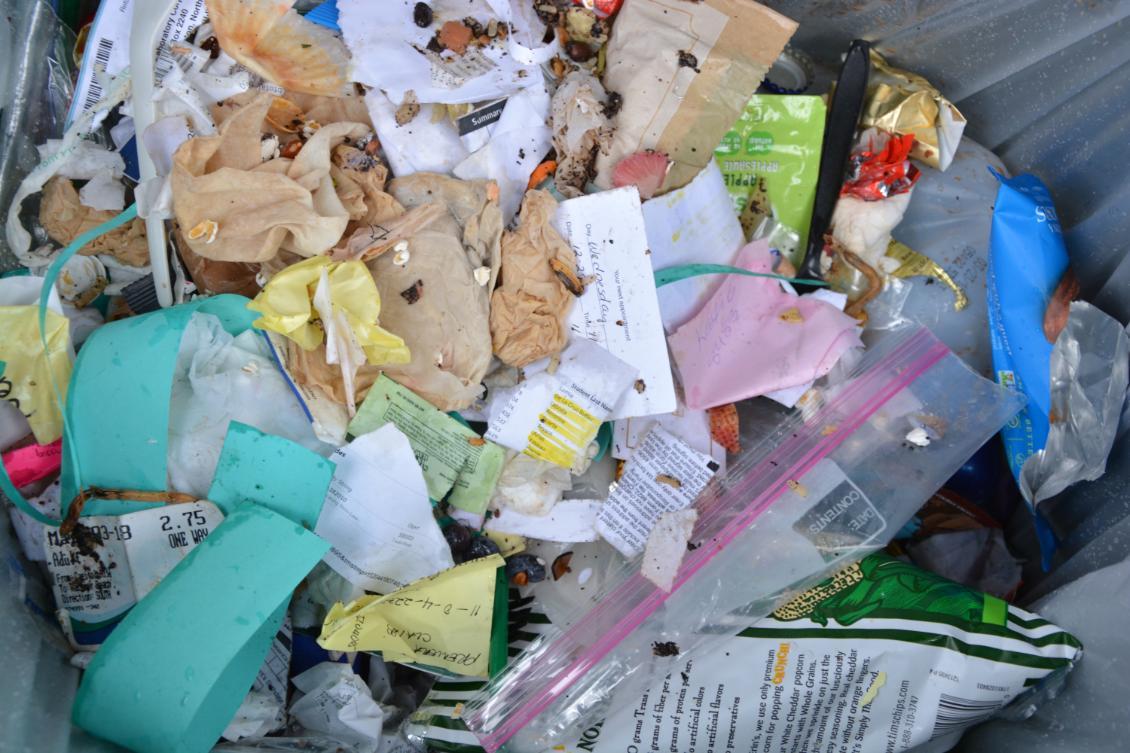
(1044, 84)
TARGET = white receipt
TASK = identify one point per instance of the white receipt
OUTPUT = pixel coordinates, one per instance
(554, 417)
(107, 47)
(663, 475)
(693, 225)
(620, 307)
(273, 675)
(111, 562)
(377, 515)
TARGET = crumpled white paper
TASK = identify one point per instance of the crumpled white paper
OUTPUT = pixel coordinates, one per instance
(338, 703)
(530, 486)
(258, 715)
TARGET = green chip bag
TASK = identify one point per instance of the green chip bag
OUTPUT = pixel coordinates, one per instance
(770, 160)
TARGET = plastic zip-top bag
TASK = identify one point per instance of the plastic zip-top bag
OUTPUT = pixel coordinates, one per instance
(828, 485)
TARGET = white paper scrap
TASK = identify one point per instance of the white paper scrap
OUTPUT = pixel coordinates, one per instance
(554, 417)
(666, 547)
(663, 475)
(569, 522)
(390, 51)
(111, 562)
(693, 225)
(377, 515)
(620, 306)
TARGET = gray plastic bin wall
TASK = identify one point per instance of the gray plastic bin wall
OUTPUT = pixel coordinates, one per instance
(1044, 83)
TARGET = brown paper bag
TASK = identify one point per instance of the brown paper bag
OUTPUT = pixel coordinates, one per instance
(685, 71)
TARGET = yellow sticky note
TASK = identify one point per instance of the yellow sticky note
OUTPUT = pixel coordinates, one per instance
(25, 378)
(287, 307)
(442, 621)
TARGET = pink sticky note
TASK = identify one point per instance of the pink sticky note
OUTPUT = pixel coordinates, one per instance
(752, 338)
(34, 462)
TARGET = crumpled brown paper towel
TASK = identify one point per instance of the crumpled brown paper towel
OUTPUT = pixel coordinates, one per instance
(65, 218)
(475, 215)
(260, 207)
(441, 311)
(529, 308)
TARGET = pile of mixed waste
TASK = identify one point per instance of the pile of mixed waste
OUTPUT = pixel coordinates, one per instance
(543, 373)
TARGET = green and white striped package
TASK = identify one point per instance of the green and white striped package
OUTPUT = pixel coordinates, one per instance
(880, 658)
(436, 724)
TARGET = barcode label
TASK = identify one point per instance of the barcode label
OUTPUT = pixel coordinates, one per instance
(108, 48)
(101, 61)
(956, 714)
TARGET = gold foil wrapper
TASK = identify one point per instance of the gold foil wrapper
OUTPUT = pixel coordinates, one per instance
(902, 102)
(914, 264)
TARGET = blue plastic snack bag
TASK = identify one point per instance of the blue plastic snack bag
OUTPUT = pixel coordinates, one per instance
(1027, 258)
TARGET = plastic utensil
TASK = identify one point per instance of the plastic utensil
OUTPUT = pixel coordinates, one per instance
(843, 116)
(149, 19)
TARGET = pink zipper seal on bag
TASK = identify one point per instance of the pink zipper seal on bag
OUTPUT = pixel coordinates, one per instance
(764, 484)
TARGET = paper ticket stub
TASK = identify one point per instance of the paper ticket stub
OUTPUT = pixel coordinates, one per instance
(111, 562)
(453, 457)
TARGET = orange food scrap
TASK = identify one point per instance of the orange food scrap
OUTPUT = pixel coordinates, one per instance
(455, 36)
(724, 427)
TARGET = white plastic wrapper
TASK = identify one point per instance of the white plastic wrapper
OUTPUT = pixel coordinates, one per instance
(219, 379)
(324, 588)
(338, 703)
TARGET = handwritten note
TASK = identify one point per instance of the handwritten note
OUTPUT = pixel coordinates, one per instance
(441, 621)
(663, 475)
(753, 338)
(620, 306)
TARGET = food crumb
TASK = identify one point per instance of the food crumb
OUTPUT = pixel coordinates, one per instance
(412, 294)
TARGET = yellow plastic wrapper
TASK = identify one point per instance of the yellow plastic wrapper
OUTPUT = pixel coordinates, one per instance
(903, 102)
(441, 621)
(27, 371)
(287, 307)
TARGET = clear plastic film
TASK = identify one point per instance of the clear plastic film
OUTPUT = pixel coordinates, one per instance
(35, 92)
(1090, 370)
(824, 487)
